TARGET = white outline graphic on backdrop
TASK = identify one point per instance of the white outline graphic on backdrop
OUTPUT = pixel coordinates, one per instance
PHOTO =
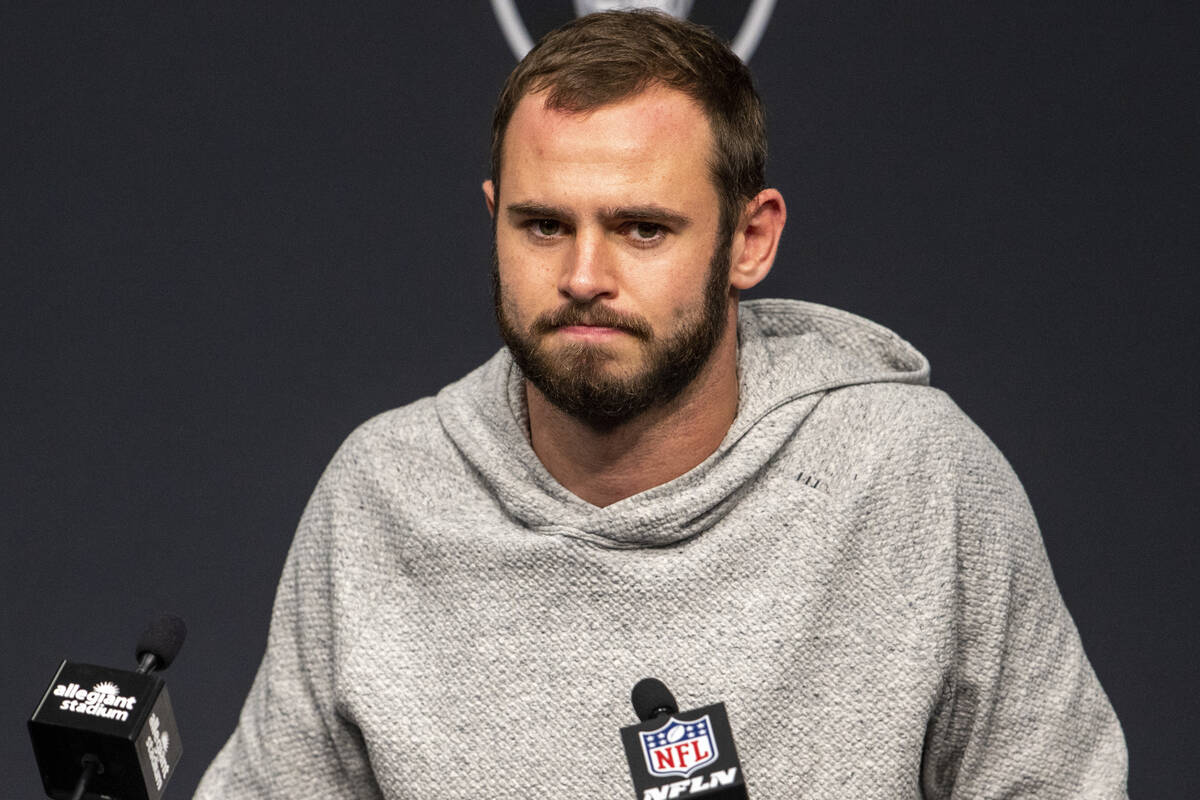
(744, 43)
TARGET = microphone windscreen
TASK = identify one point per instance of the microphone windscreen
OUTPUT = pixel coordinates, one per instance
(651, 697)
(162, 639)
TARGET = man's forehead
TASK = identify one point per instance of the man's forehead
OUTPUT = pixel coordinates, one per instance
(655, 116)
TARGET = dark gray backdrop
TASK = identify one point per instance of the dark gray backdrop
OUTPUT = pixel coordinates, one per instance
(232, 231)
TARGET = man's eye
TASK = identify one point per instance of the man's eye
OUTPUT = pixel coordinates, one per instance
(647, 231)
(548, 227)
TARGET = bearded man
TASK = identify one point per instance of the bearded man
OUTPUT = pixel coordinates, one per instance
(762, 503)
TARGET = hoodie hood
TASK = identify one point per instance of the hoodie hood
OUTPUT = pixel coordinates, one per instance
(790, 354)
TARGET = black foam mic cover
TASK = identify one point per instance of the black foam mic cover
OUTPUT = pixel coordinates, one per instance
(651, 698)
(162, 639)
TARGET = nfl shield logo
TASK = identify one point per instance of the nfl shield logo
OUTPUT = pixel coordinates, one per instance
(680, 747)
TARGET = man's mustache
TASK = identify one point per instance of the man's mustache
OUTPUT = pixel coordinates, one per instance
(594, 315)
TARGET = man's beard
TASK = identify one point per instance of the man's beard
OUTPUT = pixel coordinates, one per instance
(574, 377)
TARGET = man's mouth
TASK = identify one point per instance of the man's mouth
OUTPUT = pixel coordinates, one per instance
(595, 324)
(590, 332)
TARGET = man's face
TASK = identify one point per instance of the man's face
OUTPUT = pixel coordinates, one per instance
(611, 285)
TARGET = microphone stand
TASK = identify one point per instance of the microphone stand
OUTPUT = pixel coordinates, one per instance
(91, 768)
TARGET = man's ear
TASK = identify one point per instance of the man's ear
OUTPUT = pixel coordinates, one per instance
(489, 195)
(756, 239)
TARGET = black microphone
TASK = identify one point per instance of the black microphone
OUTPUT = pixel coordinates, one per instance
(675, 754)
(651, 698)
(109, 733)
(160, 643)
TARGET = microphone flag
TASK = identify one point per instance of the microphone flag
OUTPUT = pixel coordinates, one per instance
(123, 719)
(684, 754)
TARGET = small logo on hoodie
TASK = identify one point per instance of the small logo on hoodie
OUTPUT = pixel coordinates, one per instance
(814, 482)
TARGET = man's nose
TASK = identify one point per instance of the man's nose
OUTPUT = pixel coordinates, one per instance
(588, 272)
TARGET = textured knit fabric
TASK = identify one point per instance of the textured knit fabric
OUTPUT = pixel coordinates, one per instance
(855, 573)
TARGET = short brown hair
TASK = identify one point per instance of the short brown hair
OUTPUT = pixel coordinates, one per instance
(603, 58)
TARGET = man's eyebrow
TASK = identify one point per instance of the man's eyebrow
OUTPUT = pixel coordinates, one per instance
(648, 213)
(538, 210)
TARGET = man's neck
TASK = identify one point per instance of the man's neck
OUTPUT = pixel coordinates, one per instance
(657, 446)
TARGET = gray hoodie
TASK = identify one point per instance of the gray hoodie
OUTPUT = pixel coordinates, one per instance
(855, 573)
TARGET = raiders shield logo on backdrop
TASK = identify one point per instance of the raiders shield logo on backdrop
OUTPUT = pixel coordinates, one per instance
(540, 17)
(680, 747)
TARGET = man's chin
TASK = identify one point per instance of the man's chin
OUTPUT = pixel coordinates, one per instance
(593, 397)
(592, 368)
(565, 355)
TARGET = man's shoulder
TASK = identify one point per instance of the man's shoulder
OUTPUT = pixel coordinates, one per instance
(405, 425)
(912, 425)
(906, 409)
(420, 443)
(396, 440)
